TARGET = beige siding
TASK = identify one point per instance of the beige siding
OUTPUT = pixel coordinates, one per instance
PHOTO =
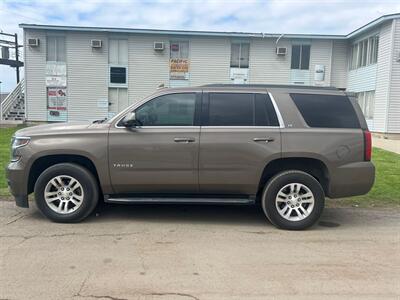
(147, 68)
(265, 65)
(35, 68)
(394, 98)
(321, 54)
(87, 76)
(383, 78)
(209, 60)
(339, 64)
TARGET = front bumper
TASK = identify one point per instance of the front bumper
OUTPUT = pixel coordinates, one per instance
(16, 179)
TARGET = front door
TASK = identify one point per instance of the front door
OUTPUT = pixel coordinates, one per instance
(161, 155)
(118, 100)
(241, 135)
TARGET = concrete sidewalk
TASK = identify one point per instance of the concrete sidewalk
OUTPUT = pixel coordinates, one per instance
(386, 144)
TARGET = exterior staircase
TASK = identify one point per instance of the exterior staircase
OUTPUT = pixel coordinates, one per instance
(13, 106)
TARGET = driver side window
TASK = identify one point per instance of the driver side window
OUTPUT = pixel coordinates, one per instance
(168, 110)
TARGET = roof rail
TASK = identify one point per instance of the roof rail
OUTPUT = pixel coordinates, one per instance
(289, 86)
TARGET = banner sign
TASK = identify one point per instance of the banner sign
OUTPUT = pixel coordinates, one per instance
(179, 68)
(54, 81)
(57, 104)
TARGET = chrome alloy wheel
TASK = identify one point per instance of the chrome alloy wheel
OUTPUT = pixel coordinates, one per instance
(63, 194)
(295, 202)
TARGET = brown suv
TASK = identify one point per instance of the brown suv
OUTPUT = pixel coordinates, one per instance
(285, 147)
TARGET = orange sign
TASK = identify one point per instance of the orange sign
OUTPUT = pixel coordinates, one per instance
(179, 65)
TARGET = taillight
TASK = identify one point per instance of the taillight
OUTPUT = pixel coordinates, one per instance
(367, 145)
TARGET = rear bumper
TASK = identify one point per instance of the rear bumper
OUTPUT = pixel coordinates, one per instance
(17, 184)
(351, 180)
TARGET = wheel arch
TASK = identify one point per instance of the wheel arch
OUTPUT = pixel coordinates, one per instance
(43, 162)
(315, 167)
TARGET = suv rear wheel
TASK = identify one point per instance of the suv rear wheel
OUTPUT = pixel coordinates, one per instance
(66, 193)
(293, 200)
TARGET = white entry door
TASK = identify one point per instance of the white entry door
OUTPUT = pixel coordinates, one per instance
(118, 100)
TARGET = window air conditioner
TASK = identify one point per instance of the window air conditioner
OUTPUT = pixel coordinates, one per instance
(158, 46)
(281, 50)
(33, 42)
(96, 43)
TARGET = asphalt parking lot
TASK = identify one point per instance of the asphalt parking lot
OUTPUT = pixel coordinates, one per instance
(198, 252)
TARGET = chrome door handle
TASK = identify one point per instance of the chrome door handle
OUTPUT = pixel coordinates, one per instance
(263, 139)
(184, 140)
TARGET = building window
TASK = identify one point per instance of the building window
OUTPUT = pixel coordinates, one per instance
(240, 53)
(118, 63)
(364, 52)
(118, 75)
(366, 100)
(300, 57)
(179, 60)
(179, 50)
(55, 48)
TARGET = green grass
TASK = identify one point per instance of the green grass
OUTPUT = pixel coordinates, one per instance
(386, 190)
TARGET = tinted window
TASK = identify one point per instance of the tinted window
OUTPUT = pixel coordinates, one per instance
(264, 111)
(168, 110)
(329, 111)
(231, 109)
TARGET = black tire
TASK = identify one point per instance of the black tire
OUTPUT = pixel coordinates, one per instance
(279, 181)
(86, 180)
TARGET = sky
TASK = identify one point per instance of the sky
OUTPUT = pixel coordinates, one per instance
(272, 16)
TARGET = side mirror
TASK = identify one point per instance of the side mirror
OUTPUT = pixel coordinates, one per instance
(130, 120)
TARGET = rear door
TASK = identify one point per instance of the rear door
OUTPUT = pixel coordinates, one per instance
(240, 134)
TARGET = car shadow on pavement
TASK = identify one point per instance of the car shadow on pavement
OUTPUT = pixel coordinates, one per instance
(182, 213)
(248, 215)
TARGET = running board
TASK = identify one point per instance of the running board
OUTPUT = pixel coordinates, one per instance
(185, 200)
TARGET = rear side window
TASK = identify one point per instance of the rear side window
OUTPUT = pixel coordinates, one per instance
(264, 111)
(241, 109)
(326, 111)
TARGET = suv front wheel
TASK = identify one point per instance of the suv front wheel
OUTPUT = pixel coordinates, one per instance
(293, 200)
(66, 192)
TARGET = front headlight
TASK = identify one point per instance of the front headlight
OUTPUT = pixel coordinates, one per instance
(18, 142)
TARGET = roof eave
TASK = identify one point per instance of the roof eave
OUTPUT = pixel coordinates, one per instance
(372, 24)
(181, 32)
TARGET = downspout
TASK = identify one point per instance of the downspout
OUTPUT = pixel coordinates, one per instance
(276, 43)
(390, 76)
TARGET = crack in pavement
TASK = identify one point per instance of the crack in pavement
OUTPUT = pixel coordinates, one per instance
(16, 219)
(82, 286)
(71, 234)
(172, 294)
(138, 294)
(101, 297)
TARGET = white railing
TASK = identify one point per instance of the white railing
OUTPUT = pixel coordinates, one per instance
(11, 98)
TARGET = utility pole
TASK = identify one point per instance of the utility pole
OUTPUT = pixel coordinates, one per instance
(16, 57)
